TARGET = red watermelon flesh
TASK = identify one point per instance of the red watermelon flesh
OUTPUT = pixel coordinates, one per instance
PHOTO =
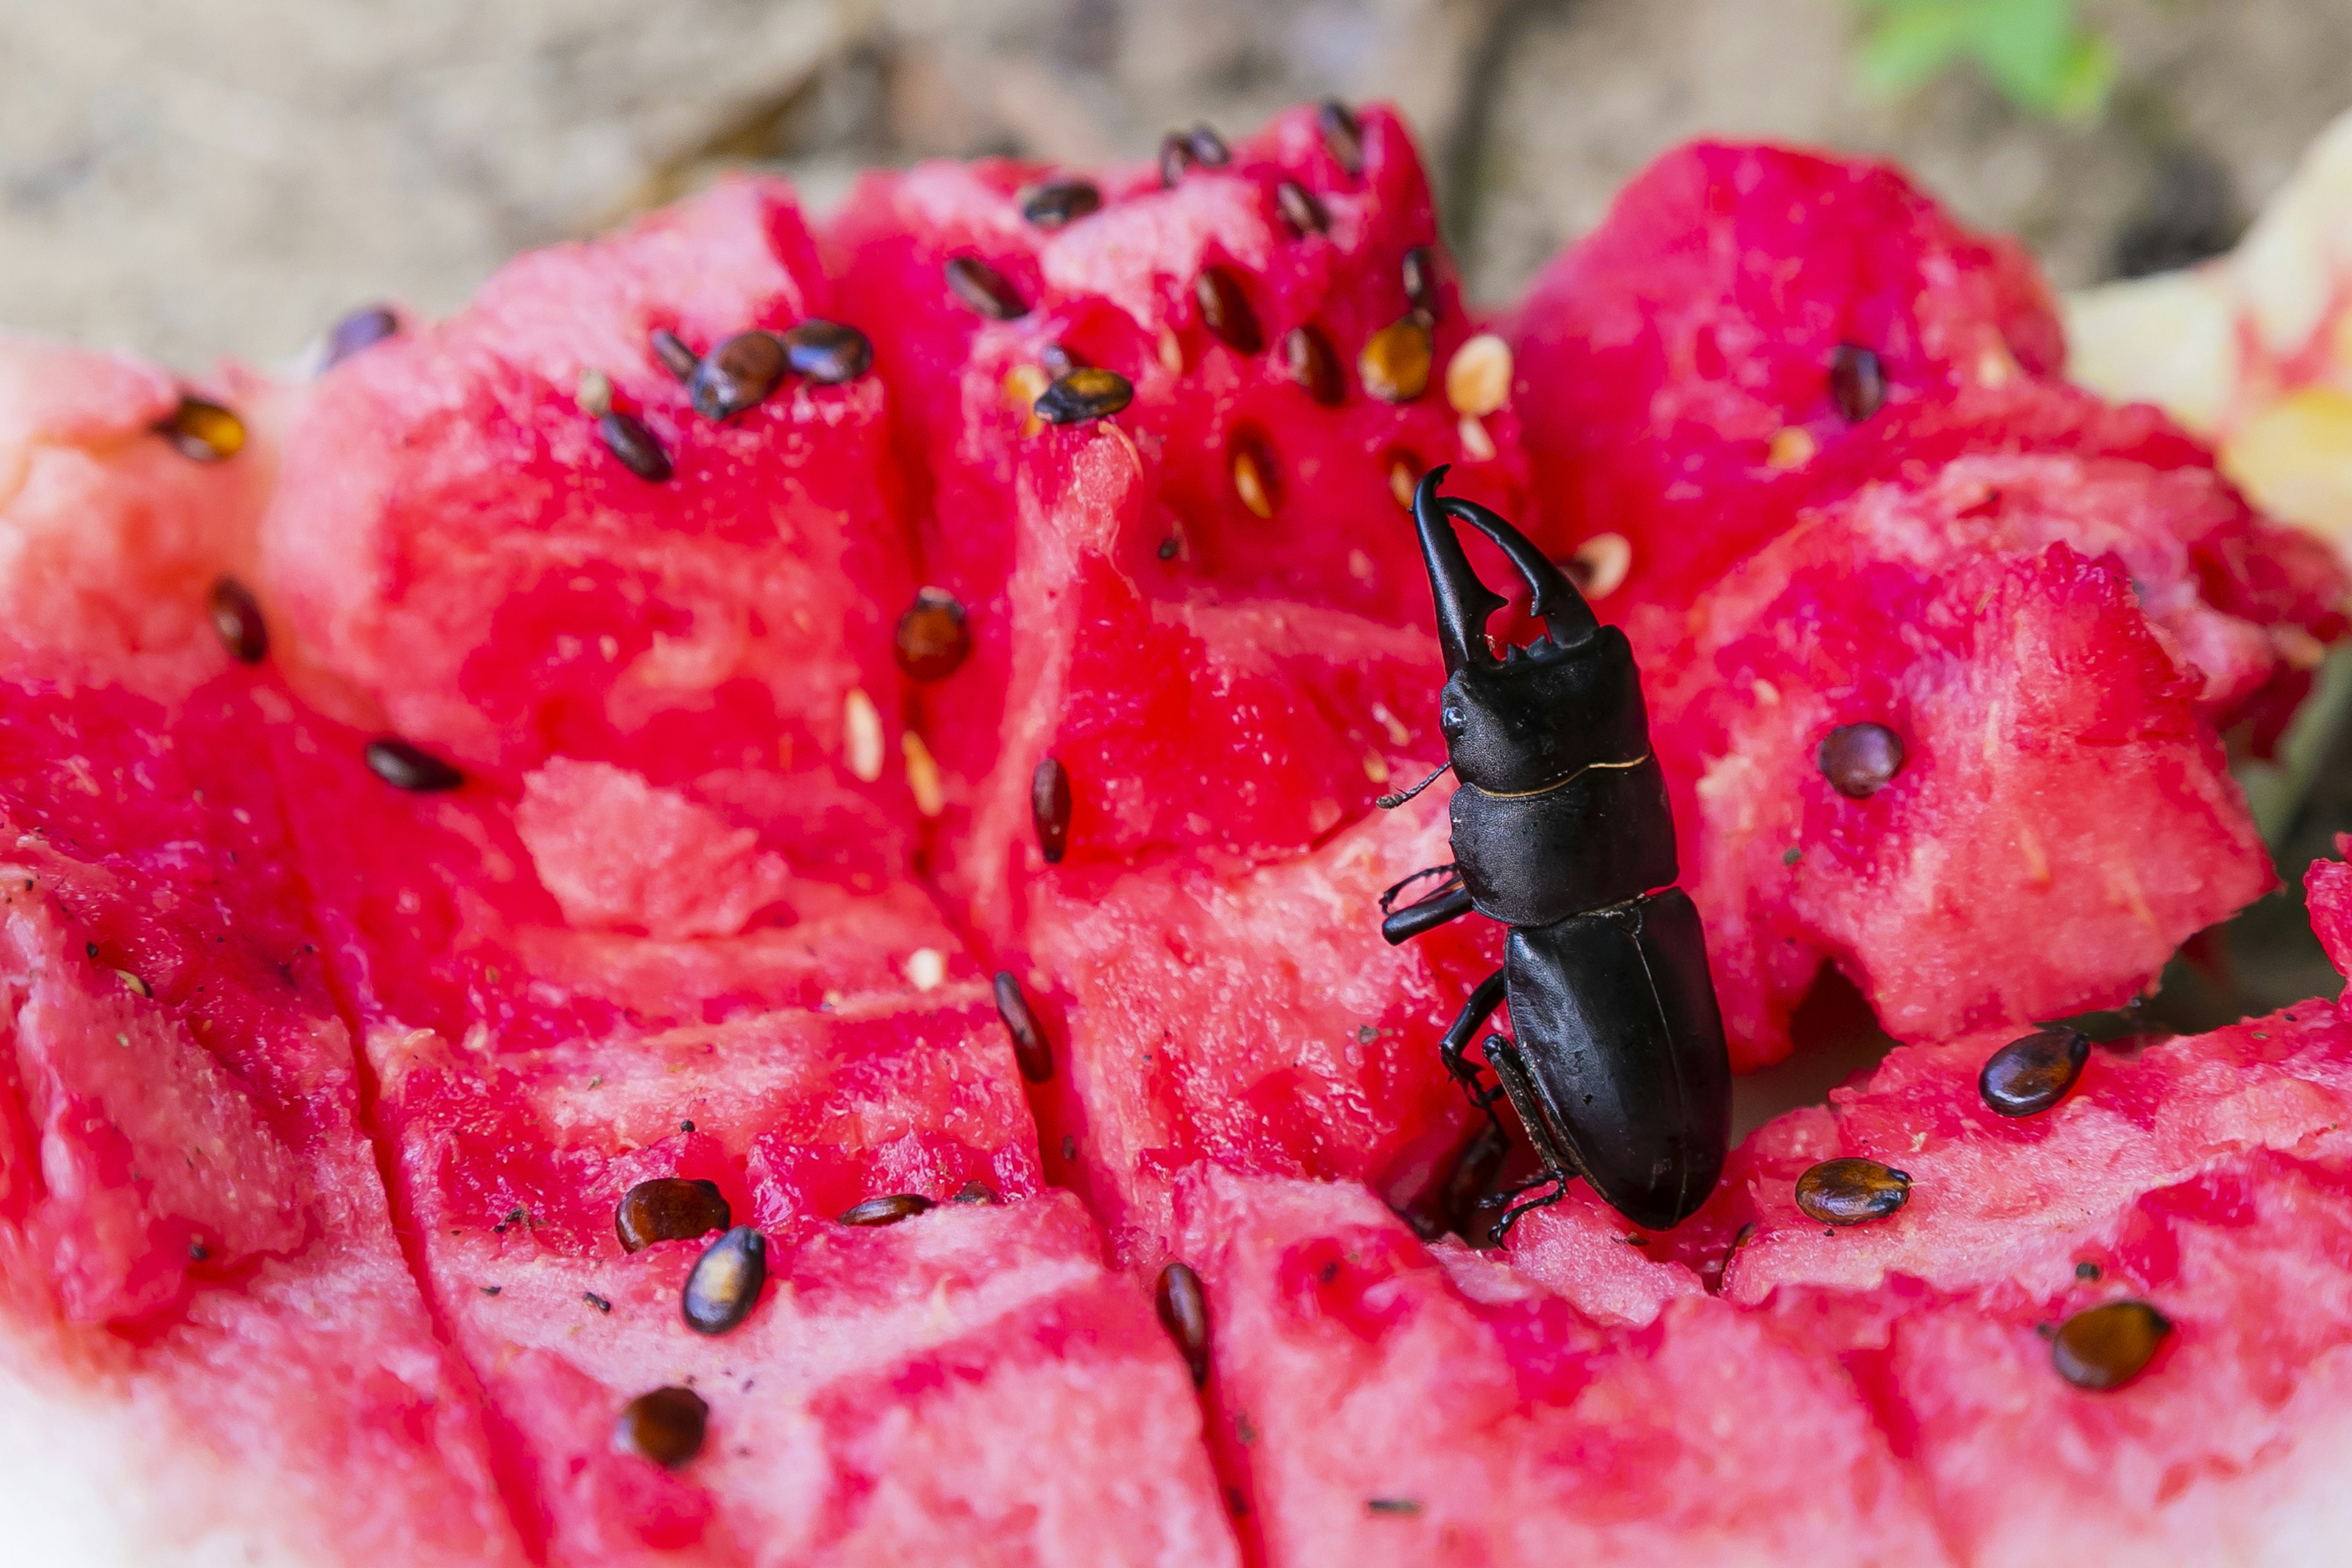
(1882, 1391)
(209, 1327)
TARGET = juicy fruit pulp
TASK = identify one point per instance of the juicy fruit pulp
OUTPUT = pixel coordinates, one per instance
(326, 1096)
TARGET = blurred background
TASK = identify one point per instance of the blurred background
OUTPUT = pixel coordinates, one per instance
(195, 180)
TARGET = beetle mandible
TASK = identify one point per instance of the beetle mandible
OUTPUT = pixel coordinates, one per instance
(1562, 832)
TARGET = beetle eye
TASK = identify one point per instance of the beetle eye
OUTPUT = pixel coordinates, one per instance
(1451, 719)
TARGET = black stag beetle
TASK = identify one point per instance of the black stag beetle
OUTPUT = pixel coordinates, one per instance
(1561, 831)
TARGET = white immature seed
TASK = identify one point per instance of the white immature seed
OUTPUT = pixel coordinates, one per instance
(861, 728)
(1600, 565)
(926, 968)
(595, 394)
(1476, 444)
(1478, 377)
(922, 774)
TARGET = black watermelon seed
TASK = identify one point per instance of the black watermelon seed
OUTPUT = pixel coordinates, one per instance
(1860, 760)
(1031, 1049)
(203, 431)
(933, 636)
(725, 1284)
(1343, 135)
(2087, 1272)
(1049, 806)
(670, 1208)
(740, 374)
(1419, 273)
(670, 349)
(1054, 203)
(367, 325)
(1208, 148)
(666, 1426)
(1402, 1505)
(2102, 1348)
(827, 353)
(1225, 311)
(1857, 382)
(1084, 393)
(1184, 1313)
(628, 439)
(1300, 209)
(1315, 365)
(1175, 157)
(1849, 1191)
(886, 1210)
(403, 765)
(237, 616)
(983, 288)
(2033, 1073)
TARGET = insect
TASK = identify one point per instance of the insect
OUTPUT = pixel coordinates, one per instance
(1562, 832)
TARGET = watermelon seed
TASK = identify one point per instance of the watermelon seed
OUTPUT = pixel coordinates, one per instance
(1049, 807)
(1054, 203)
(725, 1283)
(1860, 760)
(198, 1251)
(2033, 1073)
(1208, 148)
(1300, 209)
(1315, 365)
(492, 1289)
(1031, 1049)
(933, 636)
(1857, 382)
(670, 1208)
(976, 1192)
(861, 733)
(1069, 1144)
(740, 374)
(889, 1210)
(237, 616)
(922, 774)
(1851, 1191)
(601, 1303)
(1419, 271)
(133, 985)
(666, 1425)
(1225, 311)
(363, 328)
(1253, 476)
(827, 353)
(1791, 854)
(2086, 1271)
(1084, 394)
(410, 767)
(686, 1127)
(1343, 135)
(204, 431)
(1601, 564)
(1394, 366)
(1404, 475)
(1398, 1505)
(2105, 1347)
(670, 349)
(1478, 376)
(1366, 1034)
(1175, 157)
(593, 394)
(983, 288)
(1184, 1313)
(626, 438)
(1168, 547)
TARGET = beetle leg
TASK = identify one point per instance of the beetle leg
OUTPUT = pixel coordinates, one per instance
(1450, 901)
(1449, 871)
(1556, 1180)
(1484, 1000)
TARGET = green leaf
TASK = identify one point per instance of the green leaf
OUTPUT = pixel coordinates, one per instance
(2035, 51)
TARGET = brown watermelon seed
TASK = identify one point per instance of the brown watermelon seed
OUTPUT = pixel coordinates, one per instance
(1225, 311)
(1851, 1191)
(975, 1192)
(237, 616)
(363, 328)
(1419, 273)
(725, 1284)
(1184, 1313)
(1053, 202)
(2105, 1347)
(670, 1208)
(1083, 394)
(1857, 382)
(1300, 209)
(740, 374)
(1394, 366)
(1860, 760)
(1208, 148)
(405, 765)
(1175, 157)
(827, 353)
(1254, 479)
(886, 1210)
(2033, 1073)
(670, 349)
(984, 290)
(1031, 1049)
(1315, 365)
(933, 636)
(204, 431)
(627, 439)
(1343, 135)
(1402, 1505)
(1049, 806)
(666, 1425)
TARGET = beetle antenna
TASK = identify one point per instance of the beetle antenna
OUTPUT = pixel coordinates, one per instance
(1391, 802)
